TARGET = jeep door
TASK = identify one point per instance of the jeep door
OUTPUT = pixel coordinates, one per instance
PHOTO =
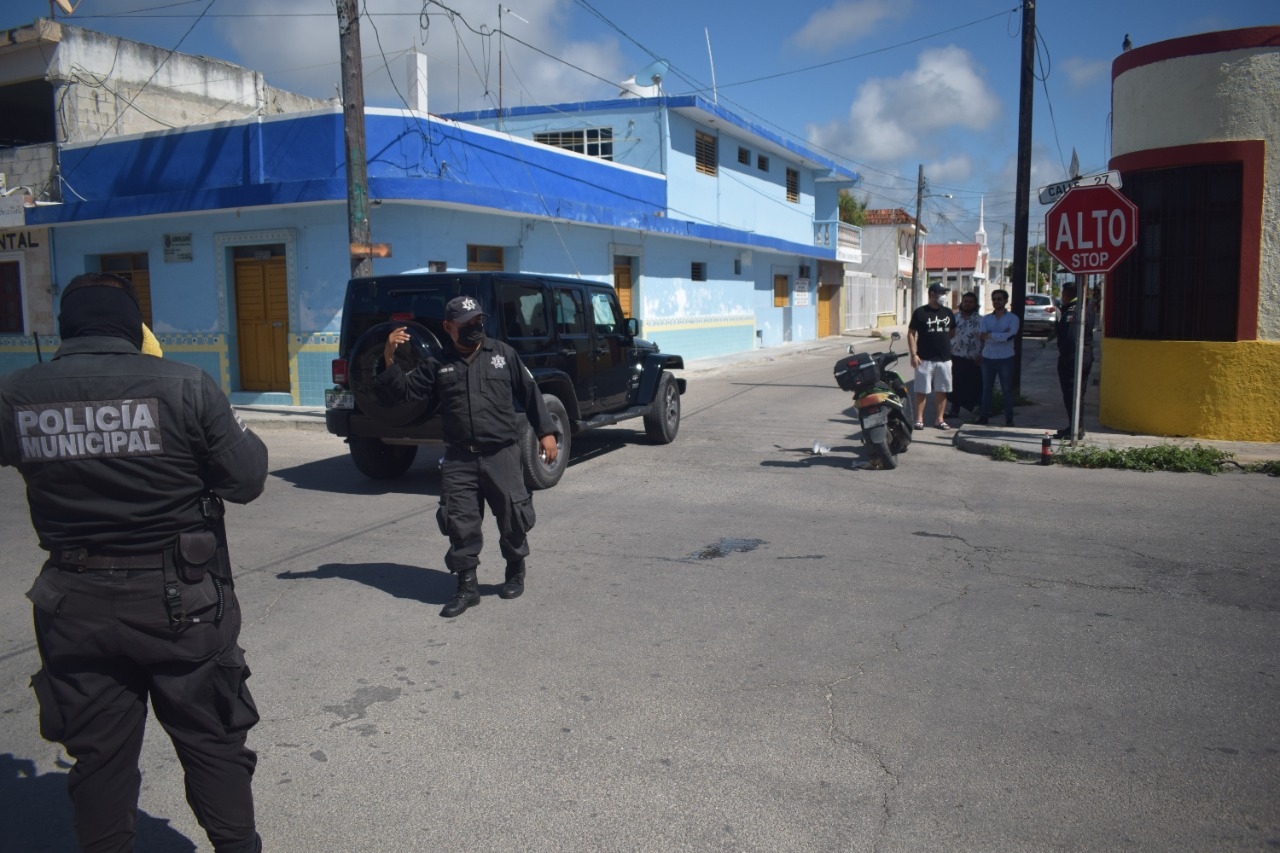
(575, 344)
(522, 322)
(610, 344)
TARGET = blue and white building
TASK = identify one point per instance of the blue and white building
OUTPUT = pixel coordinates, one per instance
(719, 235)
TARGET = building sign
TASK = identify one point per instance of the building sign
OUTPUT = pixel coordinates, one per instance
(12, 241)
(12, 212)
(803, 289)
(177, 248)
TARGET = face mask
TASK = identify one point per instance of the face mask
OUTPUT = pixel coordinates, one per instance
(471, 336)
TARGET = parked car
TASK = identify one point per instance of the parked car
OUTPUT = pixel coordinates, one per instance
(588, 359)
(1040, 314)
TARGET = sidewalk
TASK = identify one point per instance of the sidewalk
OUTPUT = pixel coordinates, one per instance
(1044, 413)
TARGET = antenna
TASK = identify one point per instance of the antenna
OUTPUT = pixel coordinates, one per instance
(647, 82)
(714, 94)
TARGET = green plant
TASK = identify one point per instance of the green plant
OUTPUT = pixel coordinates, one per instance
(1272, 468)
(1004, 453)
(1196, 459)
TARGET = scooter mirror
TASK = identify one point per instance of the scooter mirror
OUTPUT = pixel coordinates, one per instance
(896, 336)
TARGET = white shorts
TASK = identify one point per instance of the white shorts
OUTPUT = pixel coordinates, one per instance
(933, 376)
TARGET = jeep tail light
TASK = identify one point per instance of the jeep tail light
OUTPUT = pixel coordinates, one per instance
(405, 317)
(339, 368)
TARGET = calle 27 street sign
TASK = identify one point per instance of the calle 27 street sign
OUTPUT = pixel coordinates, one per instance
(1091, 229)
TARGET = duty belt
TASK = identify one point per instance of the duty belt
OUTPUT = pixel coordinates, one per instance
(80, 560)
(481, 448)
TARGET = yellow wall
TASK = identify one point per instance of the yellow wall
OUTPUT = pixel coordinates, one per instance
(1198, 389)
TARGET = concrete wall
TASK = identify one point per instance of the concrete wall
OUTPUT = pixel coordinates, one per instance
(1188, 101)
(107, 86)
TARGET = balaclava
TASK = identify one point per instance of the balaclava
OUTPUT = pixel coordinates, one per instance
(100, 305)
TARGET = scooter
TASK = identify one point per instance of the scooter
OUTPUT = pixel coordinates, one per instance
(881, 398)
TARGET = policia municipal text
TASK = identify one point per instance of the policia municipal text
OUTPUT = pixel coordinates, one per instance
(485, 395)
(127, 459)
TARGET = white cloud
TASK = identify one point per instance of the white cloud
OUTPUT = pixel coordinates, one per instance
(890, 117)
(1085, 72)
(843, 22)
(957, 169)
(300, 52)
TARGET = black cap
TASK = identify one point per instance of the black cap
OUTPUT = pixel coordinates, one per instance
(462, 309)
(938, 287)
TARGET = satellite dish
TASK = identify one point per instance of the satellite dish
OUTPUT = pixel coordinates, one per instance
(65, 6)
(647, 82)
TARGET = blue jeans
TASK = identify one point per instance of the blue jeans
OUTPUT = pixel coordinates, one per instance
(991, 368)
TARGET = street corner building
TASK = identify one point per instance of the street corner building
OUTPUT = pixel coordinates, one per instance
(718, 234)
(1192, 319)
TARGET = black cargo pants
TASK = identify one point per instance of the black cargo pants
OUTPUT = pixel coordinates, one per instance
(469, 480)
(106, 646)
(1067, 381)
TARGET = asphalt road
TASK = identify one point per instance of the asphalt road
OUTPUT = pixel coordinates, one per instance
(730, 644)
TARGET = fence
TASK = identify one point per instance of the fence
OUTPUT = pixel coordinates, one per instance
(866, 297)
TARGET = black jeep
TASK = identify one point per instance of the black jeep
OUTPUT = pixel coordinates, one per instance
(588, 360)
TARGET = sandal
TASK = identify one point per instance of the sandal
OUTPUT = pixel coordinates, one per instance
(919, 424)
(942, 425)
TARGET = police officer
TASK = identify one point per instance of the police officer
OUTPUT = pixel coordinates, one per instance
(1067, 332)
(485, 395)
(127, 459)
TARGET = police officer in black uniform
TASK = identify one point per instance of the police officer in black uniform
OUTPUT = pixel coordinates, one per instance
(127, 458)
(485, 396)
(1067, 332)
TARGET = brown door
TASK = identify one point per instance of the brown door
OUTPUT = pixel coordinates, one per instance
(622, 283)
(262, 323)
(827, 305)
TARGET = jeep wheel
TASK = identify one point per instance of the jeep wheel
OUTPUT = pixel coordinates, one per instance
(663, 421)
(381, 461)
(366, 355)
(537, 473)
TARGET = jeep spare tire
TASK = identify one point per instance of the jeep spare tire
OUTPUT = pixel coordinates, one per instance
(366, 358)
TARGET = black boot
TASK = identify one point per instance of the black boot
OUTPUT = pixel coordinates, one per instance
(468, 595)
(514, 587)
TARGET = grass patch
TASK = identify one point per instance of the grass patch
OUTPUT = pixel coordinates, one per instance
(1272, 468)
(1196, 459)
(1004, 453)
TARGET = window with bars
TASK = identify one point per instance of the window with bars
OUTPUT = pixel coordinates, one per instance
(11, 298)
(704, 152)
(793, 185)
(698, 271)
(592, 141)
(136, 268)
(762, 162)
(1182, 282)
(744, 156)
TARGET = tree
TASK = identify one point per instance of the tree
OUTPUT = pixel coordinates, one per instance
(1046, 265)
(853, 211)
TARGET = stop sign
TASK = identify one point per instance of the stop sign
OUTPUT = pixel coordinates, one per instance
(1091, 229)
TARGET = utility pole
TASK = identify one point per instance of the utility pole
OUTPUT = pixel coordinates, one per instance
(499, 65)
(1022, 203)
(916, 301)
(353, 131)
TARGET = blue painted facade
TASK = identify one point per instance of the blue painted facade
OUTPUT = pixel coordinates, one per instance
(436, 187)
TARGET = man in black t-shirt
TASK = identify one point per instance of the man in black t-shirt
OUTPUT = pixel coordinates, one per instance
(929, 339)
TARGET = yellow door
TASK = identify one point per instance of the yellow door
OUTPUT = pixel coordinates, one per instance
(825, 292)
(262, 324)
(622, 284)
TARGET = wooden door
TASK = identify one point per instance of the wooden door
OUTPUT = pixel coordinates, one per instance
(827, 305)
(622, 283)
(262, 323)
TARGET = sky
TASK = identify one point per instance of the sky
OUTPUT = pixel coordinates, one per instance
(880, 86)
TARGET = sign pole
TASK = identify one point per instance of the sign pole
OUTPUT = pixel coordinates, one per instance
(1077, 392)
